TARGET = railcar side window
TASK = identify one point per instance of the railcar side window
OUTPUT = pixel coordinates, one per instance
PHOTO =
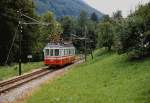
(56, 52)
(69, 51)
(65, 52)
(47, 52)
(73, 51)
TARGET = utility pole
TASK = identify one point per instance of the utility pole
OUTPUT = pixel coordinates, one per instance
(85, 48)
(85, 41)
(85, 36)
(20, 30)
(20, 40)
(91, 52)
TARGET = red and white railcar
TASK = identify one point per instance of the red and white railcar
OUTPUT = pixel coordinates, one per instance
(59, 54)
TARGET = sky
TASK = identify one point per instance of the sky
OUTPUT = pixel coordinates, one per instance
(110, 6)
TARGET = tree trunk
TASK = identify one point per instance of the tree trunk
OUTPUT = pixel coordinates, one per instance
(92, 55)
(109, 48)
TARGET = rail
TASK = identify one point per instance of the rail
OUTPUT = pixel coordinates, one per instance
(12, 83)
(17, 81)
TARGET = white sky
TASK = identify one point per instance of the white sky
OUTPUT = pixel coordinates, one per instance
(110, 6)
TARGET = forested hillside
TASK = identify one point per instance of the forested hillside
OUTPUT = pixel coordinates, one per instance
(33, 37)
(120, 49)
(64, 7)
(129, 35)
(13, 32)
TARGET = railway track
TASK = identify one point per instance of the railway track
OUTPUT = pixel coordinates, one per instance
(13, 83)
(20, 80)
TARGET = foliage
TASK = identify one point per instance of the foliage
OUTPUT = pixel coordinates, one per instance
(126, 35)
(91, 34)
(105, 33)
(68, 25)
(9, 21)
(84, 27)
(82, 20)
(52, 30)
(94, 17)
(34, 37)
(134, 37)
(117, 15)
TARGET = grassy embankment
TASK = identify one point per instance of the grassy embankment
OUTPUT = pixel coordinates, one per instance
(109, 78)
(10, 71)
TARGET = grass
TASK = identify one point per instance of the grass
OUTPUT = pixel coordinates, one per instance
(109, 78)
(10, 71)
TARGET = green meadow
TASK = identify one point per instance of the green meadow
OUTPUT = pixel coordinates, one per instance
(10, 71)
(109, 78)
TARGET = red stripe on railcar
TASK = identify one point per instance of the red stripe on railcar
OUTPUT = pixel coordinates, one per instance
(59, 60)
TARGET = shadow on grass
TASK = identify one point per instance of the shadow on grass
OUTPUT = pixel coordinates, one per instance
(145, 95)
(102, 53)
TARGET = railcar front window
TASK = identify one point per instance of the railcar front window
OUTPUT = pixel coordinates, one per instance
(62, 52)
(47, 52)
(56, 52)
(51, 52)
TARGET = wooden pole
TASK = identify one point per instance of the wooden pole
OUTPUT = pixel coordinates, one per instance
(20, 39)
(85, 35)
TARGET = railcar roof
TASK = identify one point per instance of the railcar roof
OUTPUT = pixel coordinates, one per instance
(52, 45)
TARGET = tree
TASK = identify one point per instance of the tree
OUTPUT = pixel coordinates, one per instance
(85, 27)
(9, 23)
(51, 32)
(106, 18)
(91, 34)
(68, 25)
(94, 17)
(105, 35)
(82, 20)
(135, 36)
(80, 30)
(117, 15)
